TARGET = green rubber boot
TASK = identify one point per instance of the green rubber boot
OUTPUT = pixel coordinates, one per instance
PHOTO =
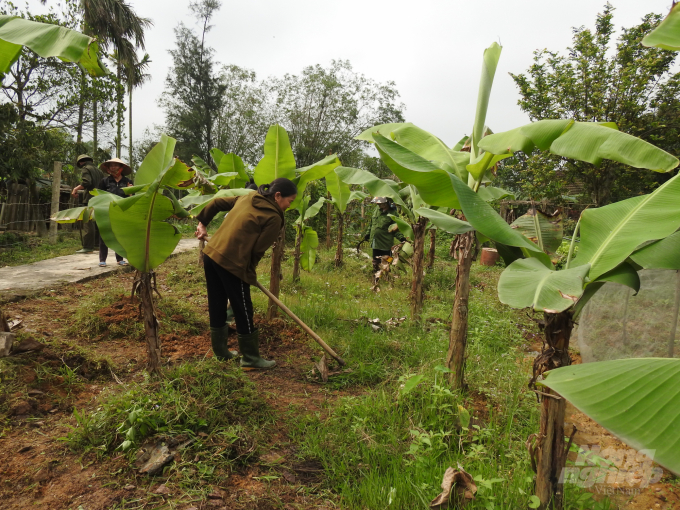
(250, 352)
(218, 338)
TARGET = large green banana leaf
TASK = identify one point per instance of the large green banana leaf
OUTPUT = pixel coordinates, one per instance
(667, 35)
(662, 254)
(375, 186)
(489, 64)
(227, 165)
(278, 160)
(142, 231)
(156, 161)
(310, 241)
(101, 203)
(585, 141)
(623, 274)
(314, 172)
(445, 222)
(610, 234)
(527, 283)
(541, 229)
(338, 189)
(47, 41)
(72, 215)
(635, 399)
(433, 183)
(200, 201)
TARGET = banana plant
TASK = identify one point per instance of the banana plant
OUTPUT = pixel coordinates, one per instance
(341, 195)
(611, 236)
(425, 161)
(47, 41)
(307, 240)
(135, 227)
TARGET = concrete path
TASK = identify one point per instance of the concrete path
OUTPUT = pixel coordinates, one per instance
(17, 282)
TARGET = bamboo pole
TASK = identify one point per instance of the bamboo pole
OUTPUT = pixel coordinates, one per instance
(304, 326)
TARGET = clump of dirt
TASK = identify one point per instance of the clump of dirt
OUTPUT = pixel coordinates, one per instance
(127, 309)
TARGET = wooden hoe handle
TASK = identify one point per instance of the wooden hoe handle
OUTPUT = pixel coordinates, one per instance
(304, 326)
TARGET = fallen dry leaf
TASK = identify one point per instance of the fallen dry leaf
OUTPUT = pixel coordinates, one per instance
(457, 488)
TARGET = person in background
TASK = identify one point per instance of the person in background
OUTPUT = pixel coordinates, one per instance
(252, 225)
(113, 183)
(381, 230)
(90, 177)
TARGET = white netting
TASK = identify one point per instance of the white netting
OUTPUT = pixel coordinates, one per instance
(616, 324)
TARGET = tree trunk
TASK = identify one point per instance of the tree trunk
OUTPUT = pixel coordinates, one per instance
(549, 451)
(296, 254)
(674, 326)
(275, 274)
(430, 253)
(341, 228)
(145, 284)
(119, 109)
(130, 160)
(455, 357)
(417, 265)
(81, 111)
(329, 224)
(94, 130)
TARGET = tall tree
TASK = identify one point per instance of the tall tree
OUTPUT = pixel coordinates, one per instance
(194, 91)
(597, 81)
(115, 24)
(135, 76)
(324, 109)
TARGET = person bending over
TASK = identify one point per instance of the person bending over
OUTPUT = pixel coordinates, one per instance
(252, 225)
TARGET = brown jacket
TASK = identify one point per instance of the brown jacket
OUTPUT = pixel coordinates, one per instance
(250, 228)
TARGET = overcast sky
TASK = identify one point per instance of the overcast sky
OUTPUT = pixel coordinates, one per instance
(431, 49)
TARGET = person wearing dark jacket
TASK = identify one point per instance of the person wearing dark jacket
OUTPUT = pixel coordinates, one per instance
(251, 226)
(381, 230)
(116, 180)
(90, 177)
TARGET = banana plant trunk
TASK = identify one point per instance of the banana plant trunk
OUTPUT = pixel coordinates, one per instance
(430, 253)
(275, 274)
(418, 263)
(296, 254)
(341, 228)
(455, 356)
(550, 450)
(145, 284)
(329, 223)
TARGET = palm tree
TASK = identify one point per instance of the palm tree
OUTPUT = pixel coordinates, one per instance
(114, 23)
(135, 77)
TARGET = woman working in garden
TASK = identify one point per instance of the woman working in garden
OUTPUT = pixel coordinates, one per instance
(251, 227)
(117, 179)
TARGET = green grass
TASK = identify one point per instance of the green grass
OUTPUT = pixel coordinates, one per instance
(210, 405)
(24, 248)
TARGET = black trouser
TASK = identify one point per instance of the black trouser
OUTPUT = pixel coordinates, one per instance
(90, 235)
(104, 250)
(376, 257)
(223, 286)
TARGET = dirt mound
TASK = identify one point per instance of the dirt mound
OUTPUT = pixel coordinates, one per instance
(124, 310)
